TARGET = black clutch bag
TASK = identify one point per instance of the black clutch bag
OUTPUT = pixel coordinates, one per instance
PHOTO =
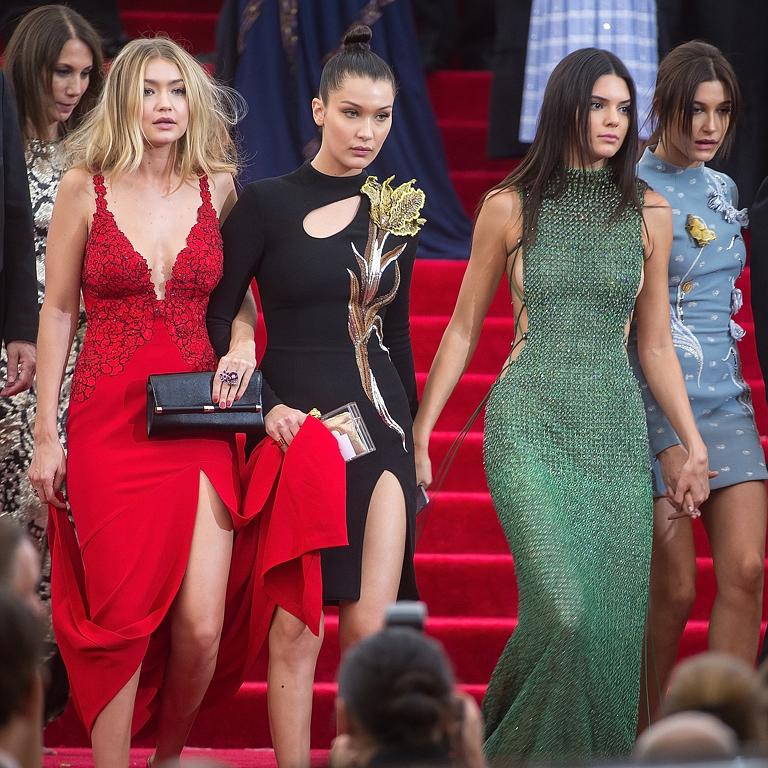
(180, 405)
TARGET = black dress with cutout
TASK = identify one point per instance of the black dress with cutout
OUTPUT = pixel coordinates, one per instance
(336, 316)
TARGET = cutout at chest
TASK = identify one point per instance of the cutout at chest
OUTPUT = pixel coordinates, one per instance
(333, 218)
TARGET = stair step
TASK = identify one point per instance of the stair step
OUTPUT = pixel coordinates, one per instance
(465, 146)
(435, 288)
(443, 525)
(492, 348)
(472, 185)
(484, 585)
(469, 392)
(457, 93)
(466, 472)
(195, 31)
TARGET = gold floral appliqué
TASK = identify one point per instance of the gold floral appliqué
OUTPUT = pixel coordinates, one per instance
(393, 211)
(698, 230)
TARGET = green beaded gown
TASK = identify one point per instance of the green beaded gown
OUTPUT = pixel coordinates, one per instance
(565, 453)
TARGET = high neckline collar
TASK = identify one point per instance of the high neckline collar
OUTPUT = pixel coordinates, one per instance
(589, 173)
(341, 184)
(652, 161)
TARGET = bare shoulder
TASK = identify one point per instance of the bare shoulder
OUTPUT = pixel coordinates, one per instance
(222, 183)
(655, 200)
(502, 205)
(76, 193)
(223, 193)
(500, 217)
(76, 181)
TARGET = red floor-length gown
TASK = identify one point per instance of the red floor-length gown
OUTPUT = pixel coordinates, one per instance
(133, 500)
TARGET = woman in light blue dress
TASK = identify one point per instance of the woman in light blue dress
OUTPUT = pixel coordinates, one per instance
(695, 107)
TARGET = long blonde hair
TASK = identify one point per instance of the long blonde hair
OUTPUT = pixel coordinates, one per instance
(110, 140)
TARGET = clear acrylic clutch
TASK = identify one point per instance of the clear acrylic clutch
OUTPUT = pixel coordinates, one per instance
(347, 426)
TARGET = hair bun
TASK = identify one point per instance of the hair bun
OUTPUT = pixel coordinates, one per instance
(358, 36)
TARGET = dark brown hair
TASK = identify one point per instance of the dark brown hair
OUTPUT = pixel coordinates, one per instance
(20, 645)
(30, 59)
(563, 129)
(355, 59)
(723, 686)
(399, 686)
(681, 72)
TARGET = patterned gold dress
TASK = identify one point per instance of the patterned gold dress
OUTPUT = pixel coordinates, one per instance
(17, 414)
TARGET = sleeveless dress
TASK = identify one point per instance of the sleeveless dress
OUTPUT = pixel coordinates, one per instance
(133, 501)
(565, 452)
(336, 315)
(708, 255)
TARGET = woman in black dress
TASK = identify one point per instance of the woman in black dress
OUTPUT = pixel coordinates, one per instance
(332, 252)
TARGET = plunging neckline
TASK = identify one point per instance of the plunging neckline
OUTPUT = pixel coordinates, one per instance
(151, 283)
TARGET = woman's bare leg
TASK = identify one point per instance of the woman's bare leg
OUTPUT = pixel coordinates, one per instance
(671, 596)
(293, 651)
(383, 550)
(197, 618)
(735, 518)
(111, 734)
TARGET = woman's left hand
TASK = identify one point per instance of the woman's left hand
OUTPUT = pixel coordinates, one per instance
(234, 372)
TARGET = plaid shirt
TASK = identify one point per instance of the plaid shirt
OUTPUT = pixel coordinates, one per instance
(558, 27)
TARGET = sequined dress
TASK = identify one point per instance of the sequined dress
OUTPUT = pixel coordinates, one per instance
(565, 453)
(17, 414)
(708, 255)
(336, 315)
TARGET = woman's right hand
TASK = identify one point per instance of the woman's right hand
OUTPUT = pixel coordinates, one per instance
(687, 479)
(47, 471)
(283, 423)
(423, 465)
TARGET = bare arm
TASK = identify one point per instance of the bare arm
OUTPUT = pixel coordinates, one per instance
(497, 231)
(657, 354)
(67, 236)
(241, 355)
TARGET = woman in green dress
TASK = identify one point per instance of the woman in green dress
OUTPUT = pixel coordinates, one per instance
(584, 245)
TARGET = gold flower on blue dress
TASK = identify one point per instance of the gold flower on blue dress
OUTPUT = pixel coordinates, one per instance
(699, 231)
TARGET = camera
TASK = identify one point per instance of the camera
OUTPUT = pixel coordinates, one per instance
(406, 613)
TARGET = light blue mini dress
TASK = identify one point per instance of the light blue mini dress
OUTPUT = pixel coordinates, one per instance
(708, 255)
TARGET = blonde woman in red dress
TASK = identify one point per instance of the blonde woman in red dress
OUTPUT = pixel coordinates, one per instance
(139, 591)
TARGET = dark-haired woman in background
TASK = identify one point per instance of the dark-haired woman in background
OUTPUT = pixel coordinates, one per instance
(583, 245)
(54, 64)
(695, 107)
(332, 251)
(398, 705)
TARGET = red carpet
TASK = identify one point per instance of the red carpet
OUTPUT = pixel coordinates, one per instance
(464, 568)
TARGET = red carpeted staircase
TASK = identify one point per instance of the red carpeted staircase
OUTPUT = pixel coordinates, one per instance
(464, 568)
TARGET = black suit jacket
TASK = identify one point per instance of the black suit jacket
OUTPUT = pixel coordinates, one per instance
(758, 272)
(18, 279)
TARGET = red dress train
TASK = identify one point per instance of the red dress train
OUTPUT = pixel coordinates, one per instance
(133, 501)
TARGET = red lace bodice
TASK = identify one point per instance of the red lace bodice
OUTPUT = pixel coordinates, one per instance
(121, 302)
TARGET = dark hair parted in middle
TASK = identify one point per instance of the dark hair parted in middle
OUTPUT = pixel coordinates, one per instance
(563, 135)
(31, 57)
(399, 687)
(681, 72)
(355, 59)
